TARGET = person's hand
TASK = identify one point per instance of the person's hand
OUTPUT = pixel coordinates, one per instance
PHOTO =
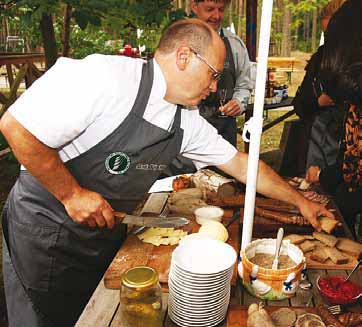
(231, 108)
(324, 100)
(312, 175)
(89, 208)
(312, 211)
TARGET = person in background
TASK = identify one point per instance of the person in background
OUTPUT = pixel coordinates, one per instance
(323, 120)
(230, 100)
(341, 77)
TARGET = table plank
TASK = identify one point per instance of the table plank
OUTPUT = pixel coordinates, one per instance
(100, 308)
(313, 276)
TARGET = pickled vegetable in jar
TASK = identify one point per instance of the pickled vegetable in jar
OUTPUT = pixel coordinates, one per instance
(141, 298)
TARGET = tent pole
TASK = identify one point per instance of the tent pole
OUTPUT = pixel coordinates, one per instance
(255, 124)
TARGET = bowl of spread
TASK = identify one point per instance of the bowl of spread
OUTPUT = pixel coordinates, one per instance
(258, 277)
(336, 290)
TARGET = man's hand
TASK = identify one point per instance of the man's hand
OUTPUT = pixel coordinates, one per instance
(324, 100)
(312, 175)
(89, 208)
(231, 108)
(312, 211)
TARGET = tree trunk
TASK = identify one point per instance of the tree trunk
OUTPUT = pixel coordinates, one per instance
(307, 29)
(66, 30)
(187, 7)
(240, 16)
(231, 10)
(48, 35)
(314, 30)
(285, 51)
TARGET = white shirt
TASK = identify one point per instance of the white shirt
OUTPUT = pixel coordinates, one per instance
(78, 103)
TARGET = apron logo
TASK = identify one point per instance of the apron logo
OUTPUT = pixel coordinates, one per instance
(117, 163)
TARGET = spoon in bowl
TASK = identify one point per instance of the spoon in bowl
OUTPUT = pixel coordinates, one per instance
(278, 243)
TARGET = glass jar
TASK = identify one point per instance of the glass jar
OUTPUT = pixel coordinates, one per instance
(141, 298)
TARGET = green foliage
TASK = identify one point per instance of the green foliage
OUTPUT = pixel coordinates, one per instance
(88, 41)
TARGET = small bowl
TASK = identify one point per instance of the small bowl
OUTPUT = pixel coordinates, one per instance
(208, 213)
(336, 296)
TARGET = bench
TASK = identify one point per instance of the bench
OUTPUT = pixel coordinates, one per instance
(284, 65)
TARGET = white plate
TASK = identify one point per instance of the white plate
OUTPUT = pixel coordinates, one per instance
(202, 311)
(209, 303)
(209, 294)
(204, 256)
(186, 323)
(198, 291)
(188, 316)
(201, 277)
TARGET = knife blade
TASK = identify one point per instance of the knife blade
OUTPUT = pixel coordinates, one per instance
(151, 221)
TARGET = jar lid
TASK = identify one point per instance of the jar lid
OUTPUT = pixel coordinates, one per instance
(140, 277)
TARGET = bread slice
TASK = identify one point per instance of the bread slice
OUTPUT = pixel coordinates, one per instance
(319, 254)
(350, 247)
(307, 246)
(336, 256)
(328, 224)
(298, 239)
(329, 240)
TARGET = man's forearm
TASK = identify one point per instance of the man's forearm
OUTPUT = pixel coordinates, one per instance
(269, 183)
(40, 160)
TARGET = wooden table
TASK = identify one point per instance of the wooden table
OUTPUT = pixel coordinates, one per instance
(103, 309)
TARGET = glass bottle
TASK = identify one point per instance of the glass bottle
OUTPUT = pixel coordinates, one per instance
(141, 298)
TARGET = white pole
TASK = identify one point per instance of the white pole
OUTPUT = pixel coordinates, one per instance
(255, 124)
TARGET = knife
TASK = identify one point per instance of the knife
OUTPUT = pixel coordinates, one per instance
(151, 221)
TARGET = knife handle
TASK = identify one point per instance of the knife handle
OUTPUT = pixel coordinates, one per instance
(119, 215)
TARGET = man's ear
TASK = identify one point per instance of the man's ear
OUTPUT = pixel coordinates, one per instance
(193, 6)
(183, 57)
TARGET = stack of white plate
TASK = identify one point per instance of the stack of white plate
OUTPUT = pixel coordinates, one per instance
(199, 282)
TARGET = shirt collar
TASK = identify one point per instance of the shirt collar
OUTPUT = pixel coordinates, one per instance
(159, 86)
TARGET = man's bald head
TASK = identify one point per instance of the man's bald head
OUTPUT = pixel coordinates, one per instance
(226, 2)
(187, 32)
(191, 55)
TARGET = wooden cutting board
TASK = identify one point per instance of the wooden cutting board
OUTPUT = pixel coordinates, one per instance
(238, 314)
(312, 264)
(136, 253)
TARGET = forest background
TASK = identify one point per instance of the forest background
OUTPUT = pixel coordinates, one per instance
(77, 28)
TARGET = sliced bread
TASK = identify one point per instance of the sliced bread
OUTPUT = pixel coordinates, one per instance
(350, 247)
(336, 256)
(319, 254)
(327, 239)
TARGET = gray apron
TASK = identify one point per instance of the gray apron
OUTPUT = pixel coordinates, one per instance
(54, 264)
(209, 108)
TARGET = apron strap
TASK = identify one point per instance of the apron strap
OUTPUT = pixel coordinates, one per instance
(144, 90)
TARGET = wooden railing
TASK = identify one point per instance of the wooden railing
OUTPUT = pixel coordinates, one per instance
(18, 67)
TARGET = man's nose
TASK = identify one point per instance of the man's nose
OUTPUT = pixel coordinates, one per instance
(213, 86)
(216, 14)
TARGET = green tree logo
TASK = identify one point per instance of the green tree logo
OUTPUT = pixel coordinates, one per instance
(117, 163)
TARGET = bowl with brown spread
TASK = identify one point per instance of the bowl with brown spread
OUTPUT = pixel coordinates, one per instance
(258, 277)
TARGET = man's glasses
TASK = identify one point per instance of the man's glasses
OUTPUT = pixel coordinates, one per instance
(216, 75)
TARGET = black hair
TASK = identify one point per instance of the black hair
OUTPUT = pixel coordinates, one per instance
(341, 66)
